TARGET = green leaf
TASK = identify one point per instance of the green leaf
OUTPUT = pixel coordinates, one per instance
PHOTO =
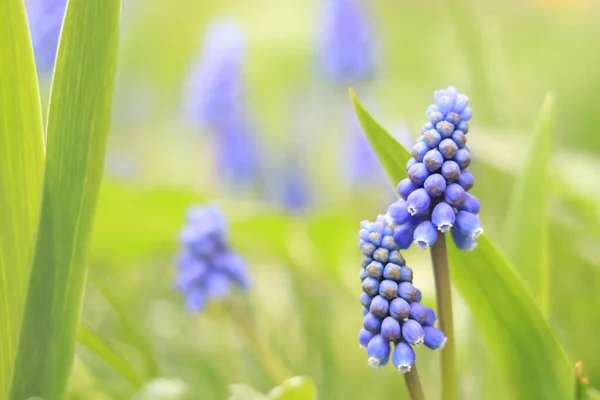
(517, 334)
(526, 229)
(296, 388)
(103, 349)
(22, 162)
(78, 124)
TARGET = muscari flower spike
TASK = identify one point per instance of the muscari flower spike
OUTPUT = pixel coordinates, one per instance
(214, 91)
(206, 265)
(346, 48)
(435, 196)
(45, 22)
(393, 313)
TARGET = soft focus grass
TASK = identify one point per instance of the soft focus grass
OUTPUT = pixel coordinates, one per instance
(305, 269)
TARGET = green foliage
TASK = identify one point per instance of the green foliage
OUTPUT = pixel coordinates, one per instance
(519, 338)
(526, 230)
(22, 158)
(77, 130)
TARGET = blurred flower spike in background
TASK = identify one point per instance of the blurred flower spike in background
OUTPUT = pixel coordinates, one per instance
(346, 42)
(206, 265)
(435, 195)
(45, 22)
(392, 307)
(215, 89)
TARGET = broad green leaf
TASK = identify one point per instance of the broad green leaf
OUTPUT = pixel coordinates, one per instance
(526, 229)
(21, 167)
(296, 388)
(518, 336)
(77, 129)
(104, 350)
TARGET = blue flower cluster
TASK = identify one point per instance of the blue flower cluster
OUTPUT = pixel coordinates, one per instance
(435, 195)
(392, 307)
(346, 47)
(45, 22)
(206, 266)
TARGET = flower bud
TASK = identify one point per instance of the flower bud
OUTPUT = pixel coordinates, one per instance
(445, 128)
(411, 161)
(468, 224)
(365, 299)
(370, 286)
(460, 103)
(463, 126)
(459, 138)
(406, 187)
(430, 319)
(434, 338)
(454, 195)
(466, 180)
(407, 291)
(388, 289)
(463, 158)
(425, 235)
(390, 329)
(471, 204)
(419, 150)
(448, 148)
(453, 118)
(418, 296)
(364, 336)
(399, 309)
(403, 235)
(406, 274)
(379, 306)
(397, 212)
(378, 350)
(462, 241)
(443, 216)
(403, 357)
(396, 258)
(392, 271)
(374, 269)
(418, 312)
(418, 202)
(412, 332)
(433, 160)
(372, 323)
(435, 185)
(368, 248)
(418, 173)
(432, 138)
(450, 171)
(466, 114)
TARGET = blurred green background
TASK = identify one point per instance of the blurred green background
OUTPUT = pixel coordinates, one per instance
(304, 302)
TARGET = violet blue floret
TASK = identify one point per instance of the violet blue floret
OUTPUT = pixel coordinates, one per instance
(393, 314)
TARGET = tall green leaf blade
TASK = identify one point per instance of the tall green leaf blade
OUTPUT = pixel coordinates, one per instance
(517, 334)
(526, 229)
(77, 129)
(21, 167)
(104, 350)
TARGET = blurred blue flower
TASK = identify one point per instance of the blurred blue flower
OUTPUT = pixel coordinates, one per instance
(394, 313)
(206, 265)
(214, 91)
(436, 190)
(346, 42)
(237, 153)
(45, 22)
(295, 191)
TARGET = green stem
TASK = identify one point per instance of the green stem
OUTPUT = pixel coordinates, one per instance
(413, 383)
(272, 364)
(441, 273)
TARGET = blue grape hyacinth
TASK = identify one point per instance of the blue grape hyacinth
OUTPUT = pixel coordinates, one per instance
(214, 91)
(435, 196)
(346, 48)
(45, 21)
(206, 265)
(392, 309)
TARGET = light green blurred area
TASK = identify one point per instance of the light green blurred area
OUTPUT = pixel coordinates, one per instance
(304, 303)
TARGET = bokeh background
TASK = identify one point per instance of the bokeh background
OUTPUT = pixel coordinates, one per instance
(295, 218)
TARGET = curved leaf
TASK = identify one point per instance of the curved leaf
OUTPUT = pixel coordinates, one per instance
(77, 130)
(516, 332)
(22, 161)
(526, 229)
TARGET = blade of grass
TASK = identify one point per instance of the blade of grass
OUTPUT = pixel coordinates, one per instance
(104, 350)
(519, 338)
(22, 158)
(77, 129)
(526, 229)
